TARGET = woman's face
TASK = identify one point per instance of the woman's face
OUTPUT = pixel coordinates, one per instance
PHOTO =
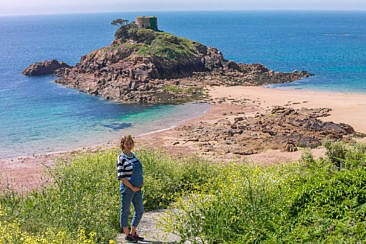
(128, 146)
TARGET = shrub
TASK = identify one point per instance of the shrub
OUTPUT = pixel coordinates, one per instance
(85, 196)
(331, 206)
(308, 201)
(346, 155)
(241, 204)
(166, 178)
(336, 152)
(290, 203)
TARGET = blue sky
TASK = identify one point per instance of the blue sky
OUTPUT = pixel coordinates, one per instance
(25, 7)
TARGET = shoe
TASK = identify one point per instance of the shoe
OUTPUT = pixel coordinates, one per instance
(131, 238)
(137, 237)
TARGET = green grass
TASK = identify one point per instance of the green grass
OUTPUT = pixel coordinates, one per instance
(309, 201)
(169, 48)
(173, 89)
(161, 45)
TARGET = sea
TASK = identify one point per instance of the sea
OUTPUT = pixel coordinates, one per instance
(40, 116)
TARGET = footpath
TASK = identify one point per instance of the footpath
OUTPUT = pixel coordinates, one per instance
(149, 228)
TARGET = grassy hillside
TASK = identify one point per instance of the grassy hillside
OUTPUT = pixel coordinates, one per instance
(158, 44)
(312, 200)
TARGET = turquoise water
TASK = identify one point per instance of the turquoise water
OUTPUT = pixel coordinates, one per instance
(37, 115)
(332, 45)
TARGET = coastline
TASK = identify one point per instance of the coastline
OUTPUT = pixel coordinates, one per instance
(346, 107)
(230, 101)
(26, 173)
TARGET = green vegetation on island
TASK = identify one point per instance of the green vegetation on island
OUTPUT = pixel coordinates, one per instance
(158, 44)
(307, 201)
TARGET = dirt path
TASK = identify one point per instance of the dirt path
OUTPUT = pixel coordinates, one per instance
(149, 228)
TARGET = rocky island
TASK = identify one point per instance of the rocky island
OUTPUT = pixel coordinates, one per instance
(145, 65)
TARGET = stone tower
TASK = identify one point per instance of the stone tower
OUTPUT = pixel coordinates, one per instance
(147, 22)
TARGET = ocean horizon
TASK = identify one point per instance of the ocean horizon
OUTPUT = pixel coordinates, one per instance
(39, 116)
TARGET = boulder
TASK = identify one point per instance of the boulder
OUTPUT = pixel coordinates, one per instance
(44, 68)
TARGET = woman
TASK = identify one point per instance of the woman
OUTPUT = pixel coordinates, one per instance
(129, 169)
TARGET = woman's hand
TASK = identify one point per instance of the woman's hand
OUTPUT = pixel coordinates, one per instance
(135, 189)
(129, 185)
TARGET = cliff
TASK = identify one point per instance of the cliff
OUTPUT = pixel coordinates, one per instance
(146, 66)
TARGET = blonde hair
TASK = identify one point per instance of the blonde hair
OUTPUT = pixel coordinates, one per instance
(126, 139)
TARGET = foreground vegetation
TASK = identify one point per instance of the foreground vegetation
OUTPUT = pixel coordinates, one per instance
(82, 205)
(311, 200)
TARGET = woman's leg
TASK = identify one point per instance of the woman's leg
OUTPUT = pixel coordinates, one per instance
(139, 210)
(127, 196)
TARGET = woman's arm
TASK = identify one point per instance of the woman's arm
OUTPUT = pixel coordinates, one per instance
(129, 185)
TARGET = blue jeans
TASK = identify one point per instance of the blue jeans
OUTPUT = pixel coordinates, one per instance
(129, 196)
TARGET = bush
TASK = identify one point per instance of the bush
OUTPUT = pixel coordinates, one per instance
(241, 204)
(166, 178)
(346, 155)
(290, 203)
(11, 232)
(308, 201)
(85, 196)
(331, 206)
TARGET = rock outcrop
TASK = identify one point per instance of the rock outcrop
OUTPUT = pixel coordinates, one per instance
(44, 68)
(281, 128)
(146, 66)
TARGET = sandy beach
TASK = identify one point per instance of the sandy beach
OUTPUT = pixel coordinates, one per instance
(346, 108)
(25, 173)
(349, 108)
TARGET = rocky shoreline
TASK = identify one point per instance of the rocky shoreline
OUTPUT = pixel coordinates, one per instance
(281, 128)
(45, 68)
(240, 129)
(137, 81)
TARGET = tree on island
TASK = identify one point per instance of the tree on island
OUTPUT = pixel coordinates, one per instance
(120, 22)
